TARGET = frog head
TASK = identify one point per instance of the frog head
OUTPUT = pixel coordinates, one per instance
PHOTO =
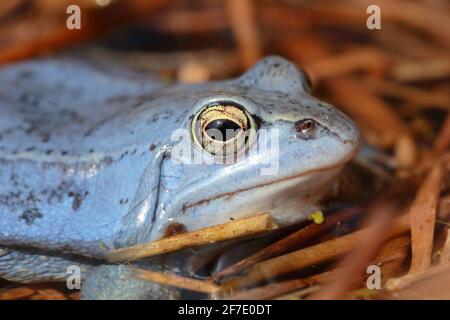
(290, 146)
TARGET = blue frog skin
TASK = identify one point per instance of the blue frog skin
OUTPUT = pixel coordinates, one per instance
(88, 163)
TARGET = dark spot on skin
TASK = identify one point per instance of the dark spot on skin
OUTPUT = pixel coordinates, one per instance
(181, 117)
(276, 65)
(30, 215)
(117, 99)
(48, 152)
(30, 149)
(107, 160)
(154, 119)
(45, 137)
(75, 117)
(31, 197)
(123, 201)
(174, 229)
(123, 155)
(25, 74)
(30, 99)
(91, 150)
(64, 153)
(78, 200)
(60, 193)
(152, 147)
(13, 179)
(134, 151)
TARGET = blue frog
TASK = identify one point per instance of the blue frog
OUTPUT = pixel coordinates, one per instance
(89, 162)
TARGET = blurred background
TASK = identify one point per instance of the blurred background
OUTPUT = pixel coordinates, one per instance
(402, 69)
(394, 82)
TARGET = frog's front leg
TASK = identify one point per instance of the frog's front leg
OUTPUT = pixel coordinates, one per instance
(116, 282)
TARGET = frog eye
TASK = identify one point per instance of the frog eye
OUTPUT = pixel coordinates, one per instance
(223, 128)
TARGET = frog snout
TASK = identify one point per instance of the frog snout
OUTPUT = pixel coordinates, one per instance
(350, 134)
(350, 137)
(342, 128)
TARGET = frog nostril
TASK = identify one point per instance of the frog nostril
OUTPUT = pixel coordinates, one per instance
(305, 125)
(306, 129)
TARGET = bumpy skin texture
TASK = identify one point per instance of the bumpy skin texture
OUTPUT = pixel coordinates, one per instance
(116, 282)
(20, 266)
(88, 162)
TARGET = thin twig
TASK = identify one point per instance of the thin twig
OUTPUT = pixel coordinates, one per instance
(245, 28)
(321, 252)
(274, 290)
(284, 245)
(357, 261)
(235, 229)
(356, 59)
(176, 281)
(405, 281)
(16, 293)
(423, 215)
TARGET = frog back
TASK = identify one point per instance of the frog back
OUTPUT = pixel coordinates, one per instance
(73, 170)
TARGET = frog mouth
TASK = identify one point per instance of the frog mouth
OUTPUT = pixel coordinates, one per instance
(262, 185)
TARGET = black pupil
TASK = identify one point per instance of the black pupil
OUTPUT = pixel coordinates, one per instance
(228, 129)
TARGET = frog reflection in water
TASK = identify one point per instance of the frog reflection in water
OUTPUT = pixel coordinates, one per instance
(86, 163)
